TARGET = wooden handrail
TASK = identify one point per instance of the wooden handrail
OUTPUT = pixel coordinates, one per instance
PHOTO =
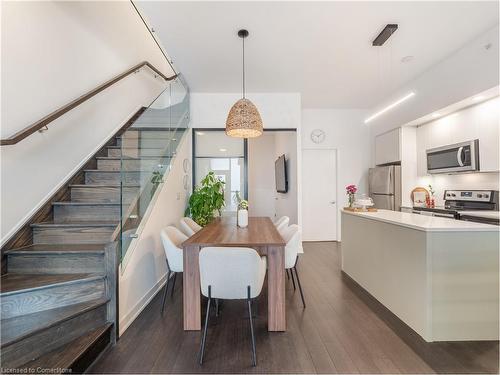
(20, 135)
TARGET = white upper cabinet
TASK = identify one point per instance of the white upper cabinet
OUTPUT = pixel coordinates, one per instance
(478, 122)
(488, 134)
(388, 147)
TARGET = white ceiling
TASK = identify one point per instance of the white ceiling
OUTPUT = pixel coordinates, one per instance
(320, 49)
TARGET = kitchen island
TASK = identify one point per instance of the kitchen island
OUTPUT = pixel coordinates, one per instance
(439, 276)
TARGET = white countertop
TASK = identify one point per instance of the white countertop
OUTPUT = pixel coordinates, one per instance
(425, 223)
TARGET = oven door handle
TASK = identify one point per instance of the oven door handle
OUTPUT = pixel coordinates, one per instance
(459, 156)
(448, 216)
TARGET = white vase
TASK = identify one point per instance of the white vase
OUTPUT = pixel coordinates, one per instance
(243, 218)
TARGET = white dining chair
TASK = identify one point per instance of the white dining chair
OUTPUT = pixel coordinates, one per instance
(231, 273)
(277, 221)
(293, 240)
(189, 226)
(172, 239)
(282, 223)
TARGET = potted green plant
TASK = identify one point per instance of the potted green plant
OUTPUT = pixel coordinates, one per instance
(156, 180)
(242, 215)
(206, 200)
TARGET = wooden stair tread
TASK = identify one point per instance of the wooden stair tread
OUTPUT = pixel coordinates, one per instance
(163, 137)
(58, 248)
(70, 203)
(137, 148)
(106, 171)
(30, 324)
(149, 128)
(76, 224)
(127, 158)
(65, 356)
(102, 186)
(13, 283)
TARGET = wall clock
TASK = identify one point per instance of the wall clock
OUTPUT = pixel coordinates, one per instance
(318, 136)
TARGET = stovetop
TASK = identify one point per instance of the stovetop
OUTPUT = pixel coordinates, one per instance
(458, 202)
(436, 209)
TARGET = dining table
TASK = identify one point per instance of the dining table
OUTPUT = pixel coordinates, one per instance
(261, 235)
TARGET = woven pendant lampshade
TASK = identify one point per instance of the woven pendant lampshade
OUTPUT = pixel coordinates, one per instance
(243, 120)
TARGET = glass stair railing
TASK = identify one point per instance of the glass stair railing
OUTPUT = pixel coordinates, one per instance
(147, 150)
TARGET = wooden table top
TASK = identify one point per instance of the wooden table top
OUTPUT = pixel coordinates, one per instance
(224, 232)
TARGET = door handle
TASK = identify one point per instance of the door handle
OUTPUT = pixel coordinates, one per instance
(333, 202)
(459, 156)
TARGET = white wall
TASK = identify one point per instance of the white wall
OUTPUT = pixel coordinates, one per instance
(468, 71)
(287, 203)
(261, 181)
(277, 110)
(144, 269)
(76, 46)
(345, 132)
(262, 153)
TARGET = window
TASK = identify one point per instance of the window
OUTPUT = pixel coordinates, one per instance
(226, 157)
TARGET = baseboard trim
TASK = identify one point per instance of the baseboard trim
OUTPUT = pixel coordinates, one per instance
(431, 352)
(129, 318)
(403, 330)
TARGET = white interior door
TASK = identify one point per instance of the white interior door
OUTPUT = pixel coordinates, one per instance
(319, 195)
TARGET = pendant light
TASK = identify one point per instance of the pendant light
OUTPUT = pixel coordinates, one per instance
(243, 120)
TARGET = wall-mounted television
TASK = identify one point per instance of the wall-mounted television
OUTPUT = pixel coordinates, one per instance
(280, 175)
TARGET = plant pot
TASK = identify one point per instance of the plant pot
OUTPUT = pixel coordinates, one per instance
(242, 218)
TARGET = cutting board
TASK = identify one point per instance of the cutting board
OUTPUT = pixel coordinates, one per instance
(359, 209)
(422, 191)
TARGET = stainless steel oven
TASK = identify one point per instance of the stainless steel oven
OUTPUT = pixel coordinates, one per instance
(458, 157)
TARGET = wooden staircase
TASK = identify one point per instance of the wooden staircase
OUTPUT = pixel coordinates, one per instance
(58, 297)
(58, 290)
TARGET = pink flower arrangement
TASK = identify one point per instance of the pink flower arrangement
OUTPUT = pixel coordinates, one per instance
(351, 189)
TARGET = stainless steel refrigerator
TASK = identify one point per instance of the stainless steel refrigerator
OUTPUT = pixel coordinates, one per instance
(385, 187)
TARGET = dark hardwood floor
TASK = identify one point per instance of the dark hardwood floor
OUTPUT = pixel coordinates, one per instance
(340, 331)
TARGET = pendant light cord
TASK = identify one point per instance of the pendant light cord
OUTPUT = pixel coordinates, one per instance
(243, 67)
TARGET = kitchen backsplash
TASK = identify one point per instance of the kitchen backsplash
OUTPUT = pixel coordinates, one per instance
(473, 181)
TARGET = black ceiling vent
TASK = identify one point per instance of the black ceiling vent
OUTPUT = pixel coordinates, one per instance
(385, 34)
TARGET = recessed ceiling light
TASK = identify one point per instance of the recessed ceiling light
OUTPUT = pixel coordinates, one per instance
(436, 114)
(407, 59)
(222, 149)
(200, 133)
(389, 107)
(478, 97)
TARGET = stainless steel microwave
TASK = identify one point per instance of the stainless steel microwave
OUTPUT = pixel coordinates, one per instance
(459, 157)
